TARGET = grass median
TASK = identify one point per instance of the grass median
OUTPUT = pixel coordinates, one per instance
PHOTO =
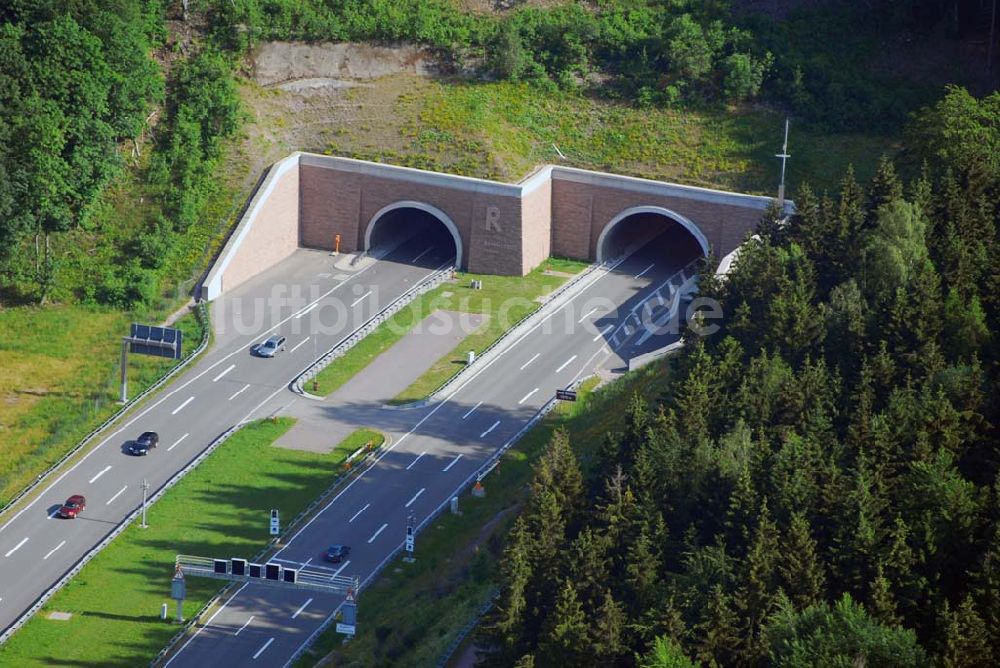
(220, 509)
(503, 300)
(413, 612)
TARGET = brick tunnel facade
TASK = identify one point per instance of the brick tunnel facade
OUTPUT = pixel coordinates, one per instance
(310, 200)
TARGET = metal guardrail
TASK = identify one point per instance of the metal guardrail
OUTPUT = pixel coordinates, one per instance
(202, 314)
(574, 284)
(475, 476)
(193, 620)
(467, 629)
(428, 283)
(115, 533)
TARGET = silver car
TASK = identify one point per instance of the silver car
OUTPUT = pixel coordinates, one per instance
(270, 347)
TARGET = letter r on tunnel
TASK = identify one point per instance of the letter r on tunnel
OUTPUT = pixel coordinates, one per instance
(493, 219)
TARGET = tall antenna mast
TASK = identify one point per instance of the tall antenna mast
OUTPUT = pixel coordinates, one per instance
(784, 155)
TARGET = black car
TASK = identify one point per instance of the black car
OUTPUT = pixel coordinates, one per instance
(336, 553)
(141, 446)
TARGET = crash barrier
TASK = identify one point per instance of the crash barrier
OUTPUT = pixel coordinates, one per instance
(201, 312)
(428, 283)
(476, 476)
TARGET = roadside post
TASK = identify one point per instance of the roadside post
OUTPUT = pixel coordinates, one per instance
(275, 528)
(145, 487)
(410, 521)
(177, 592)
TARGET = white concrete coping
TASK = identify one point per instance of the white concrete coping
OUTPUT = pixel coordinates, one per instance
(212, 286)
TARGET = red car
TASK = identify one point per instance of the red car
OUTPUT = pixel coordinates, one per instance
(74, 506)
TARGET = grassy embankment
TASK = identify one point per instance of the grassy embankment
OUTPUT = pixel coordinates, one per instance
(219, 509)
(503, 300)
(503, 130)
(411, 614)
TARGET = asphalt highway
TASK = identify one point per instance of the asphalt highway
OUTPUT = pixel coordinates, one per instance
(433, 451)
(308, 298)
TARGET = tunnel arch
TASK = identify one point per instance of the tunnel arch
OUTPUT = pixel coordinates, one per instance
(694, 230)
(421, 206)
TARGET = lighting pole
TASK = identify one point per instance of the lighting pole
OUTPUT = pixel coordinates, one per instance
(784, 155)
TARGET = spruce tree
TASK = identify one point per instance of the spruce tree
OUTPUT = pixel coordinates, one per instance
(718, 631)
(799, 565)
(564, 640)
(885, 186)
(965, 640)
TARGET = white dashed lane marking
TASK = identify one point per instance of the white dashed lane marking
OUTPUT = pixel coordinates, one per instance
(452, 463)
(52, 551)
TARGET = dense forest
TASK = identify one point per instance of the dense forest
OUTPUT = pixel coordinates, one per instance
(820, 484)
(80, 93)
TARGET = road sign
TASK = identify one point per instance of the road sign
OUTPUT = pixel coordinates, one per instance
(409, 539)
(566, 395)
(346, 629)
(275, 523)
(157, 341)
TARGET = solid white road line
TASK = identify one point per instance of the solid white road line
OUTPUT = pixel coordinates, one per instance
(245, 624)
(23, 541)
(342, 567)
(181, 407)
(537, 355)
(120, 492)
(416, 460)
(306, 310)
(587, 314)
(426, 251)
(525, 397)
(359, 299)
(444, 402)
(53, 550)
(299, 344)
(453, 462)
(228, 369)
(492, 427)
(205, 625)
(177, 442)
(410, 502)
(299, 611)
(103, 471)
(472, 409)
(261, 650)
(604, 333)
(307, 562)
(375, 535)
(138, 416)
(643, 272)
(240, 391)
(566, 363)
(358, 513)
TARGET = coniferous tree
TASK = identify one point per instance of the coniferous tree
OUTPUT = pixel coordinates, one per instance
(964, 637)
(799, 565)
(718, 632)
(564, 640)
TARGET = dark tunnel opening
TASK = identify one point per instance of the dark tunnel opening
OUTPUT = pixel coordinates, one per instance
(413, 235)
(653, 234)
